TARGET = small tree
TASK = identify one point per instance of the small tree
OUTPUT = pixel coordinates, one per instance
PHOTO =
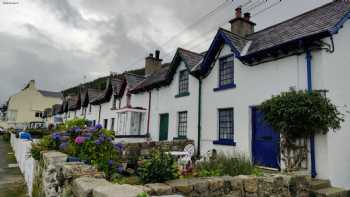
(298, 115)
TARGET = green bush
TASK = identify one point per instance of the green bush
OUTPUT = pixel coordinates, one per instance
(159, 168)
(298, 114)
(77, 122)
(223, 165)
(46, 143)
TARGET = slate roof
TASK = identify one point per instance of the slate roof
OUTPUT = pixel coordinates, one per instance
(132, 80)
(117, 85)
(191, 58)
(154, 80)
(72, 102)
(165, 75)
(319, 20)
(51, 94)
(89, 94)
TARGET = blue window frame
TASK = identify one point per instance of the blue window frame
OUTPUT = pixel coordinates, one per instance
(226, 73)
(226, 126)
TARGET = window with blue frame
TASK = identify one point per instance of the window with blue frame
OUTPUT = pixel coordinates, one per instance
(226, 126)
(183, 82)
(226, 73)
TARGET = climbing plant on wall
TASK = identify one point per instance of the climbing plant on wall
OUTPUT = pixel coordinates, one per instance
(299, 115)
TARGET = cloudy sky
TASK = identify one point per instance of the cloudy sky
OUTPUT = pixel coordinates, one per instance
(58, 42)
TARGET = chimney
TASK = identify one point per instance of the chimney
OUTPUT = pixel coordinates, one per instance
(30, 85)
(242, 26)
(153, 64)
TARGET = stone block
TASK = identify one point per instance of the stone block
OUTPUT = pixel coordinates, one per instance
(250, 184)
(54, 158)
(75, 170)
(181, 185)
(215, 183)
(83, 186)
(115, 190)
(159, 189)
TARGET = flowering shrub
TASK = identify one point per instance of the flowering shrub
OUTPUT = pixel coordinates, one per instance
(160, 167)
(92, 145)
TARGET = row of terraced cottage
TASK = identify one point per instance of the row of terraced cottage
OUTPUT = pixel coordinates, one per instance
(211, 97)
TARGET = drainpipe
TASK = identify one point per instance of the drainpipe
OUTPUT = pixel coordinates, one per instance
(99, 114)
(149, 111)
(199, 116)
(309, 88)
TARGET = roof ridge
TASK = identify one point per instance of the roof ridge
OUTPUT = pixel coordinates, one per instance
(227, 31)
(304, 13)
(186, 50)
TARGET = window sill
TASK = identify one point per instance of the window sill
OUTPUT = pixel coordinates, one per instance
(180, 138)
(225, 87)
(224, 142)
(182, 95)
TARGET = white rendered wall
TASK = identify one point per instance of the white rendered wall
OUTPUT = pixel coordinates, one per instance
(164, 101)
(331, 72)
(254, 85)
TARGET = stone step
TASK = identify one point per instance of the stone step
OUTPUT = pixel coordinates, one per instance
(331, 192)
(317, 184)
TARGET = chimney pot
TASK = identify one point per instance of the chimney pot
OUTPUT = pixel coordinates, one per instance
(151, 55)
(239, 12)
(247, 16)
(157, 54)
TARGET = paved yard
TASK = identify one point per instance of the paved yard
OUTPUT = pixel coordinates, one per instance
(11, 179)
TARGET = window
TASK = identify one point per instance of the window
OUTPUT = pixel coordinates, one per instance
(38, 114)
(105, 123)
(226, 124)
(183, 82)
(112, 124)
(136, 123)
(182, 124)
(122, 123)
(226, 71)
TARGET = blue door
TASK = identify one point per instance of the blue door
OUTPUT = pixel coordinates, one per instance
(265, 142)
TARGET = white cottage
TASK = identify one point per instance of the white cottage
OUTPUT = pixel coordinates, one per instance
(172, 94)
(243, 68)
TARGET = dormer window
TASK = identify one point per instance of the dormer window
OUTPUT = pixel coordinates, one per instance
(183, 83)
(226, 73)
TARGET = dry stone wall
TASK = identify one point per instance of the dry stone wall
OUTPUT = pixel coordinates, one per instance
(80, 180)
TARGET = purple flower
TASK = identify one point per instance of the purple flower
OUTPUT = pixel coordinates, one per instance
(98, 142)
(92, 129)
(80, 140)
(63, 146)
(76, 129)
(119, 147)
(110, 162)
(56, 136)
(120, 169)
(64, 138)
(98, 126)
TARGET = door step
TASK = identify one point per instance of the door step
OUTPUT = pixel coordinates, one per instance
(331, 192)
(323, 188)
(317, 184)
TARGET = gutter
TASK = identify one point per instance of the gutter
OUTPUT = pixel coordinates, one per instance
(309, 88)
(99, 114)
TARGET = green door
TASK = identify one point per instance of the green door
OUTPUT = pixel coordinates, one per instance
(163, 127)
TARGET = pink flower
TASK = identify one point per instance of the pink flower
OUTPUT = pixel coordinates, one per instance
(79, 140)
